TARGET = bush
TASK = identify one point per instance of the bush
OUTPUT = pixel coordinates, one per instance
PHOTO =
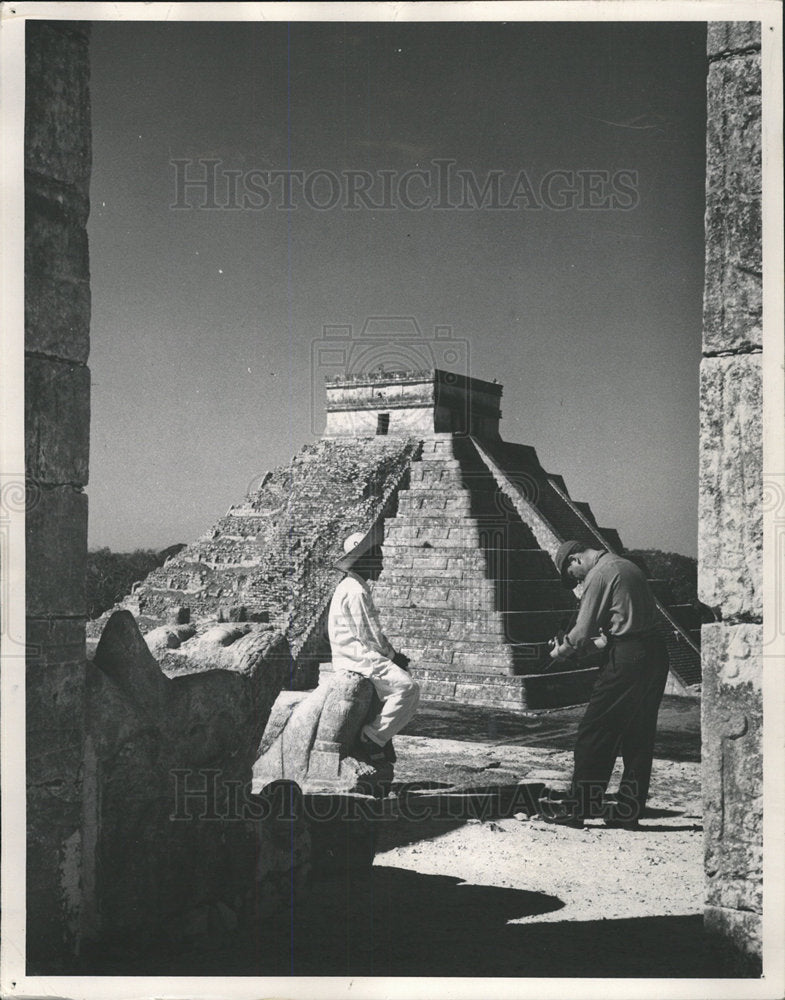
(110, 575)
(681, 573)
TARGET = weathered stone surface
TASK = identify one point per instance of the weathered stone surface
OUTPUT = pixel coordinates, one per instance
(57, 317)
(172, 758)
(57, 102)
(55, 703)
(739, 929)
(57, 312)
(57, 421)
(168, 637)
(56, 531)
(733, 779)
(730, 531)
(727, 37)
(310, 740)
(273, 554)
(55, 242)
(52, 641)
(732, 309)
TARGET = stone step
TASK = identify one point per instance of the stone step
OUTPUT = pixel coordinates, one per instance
(480, 595)
(432, 475)
(449, 445)
(486, 626)
(501, 535)
(482, 657)
(434, 503)
(441, 592)
(524, 562)
(522, 693)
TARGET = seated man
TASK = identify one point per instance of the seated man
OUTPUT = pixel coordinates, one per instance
(358, 644)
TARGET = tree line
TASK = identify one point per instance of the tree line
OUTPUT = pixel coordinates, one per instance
(110, 575)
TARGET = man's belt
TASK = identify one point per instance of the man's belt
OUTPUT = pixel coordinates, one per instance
(631, 637)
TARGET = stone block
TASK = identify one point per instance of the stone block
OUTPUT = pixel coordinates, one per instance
(54, 698)
(56, 531)
(732, 772)
(55, 241)
(55, 641)
(57, 317)
(730, 533)
(57, 421)
(732, 307)
(57, 102)
(727, 37)
(742, 931)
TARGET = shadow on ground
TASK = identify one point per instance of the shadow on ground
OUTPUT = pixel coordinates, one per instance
(678, 726)
(395, 922)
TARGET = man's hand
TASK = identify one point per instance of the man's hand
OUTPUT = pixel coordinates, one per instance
(559, 649)
(600, 641)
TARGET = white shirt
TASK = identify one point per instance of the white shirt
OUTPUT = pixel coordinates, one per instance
(356, 637)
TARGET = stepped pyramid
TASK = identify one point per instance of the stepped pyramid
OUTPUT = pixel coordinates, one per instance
(467, 589)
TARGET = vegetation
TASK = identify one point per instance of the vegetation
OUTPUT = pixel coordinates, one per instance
(110, 575)
(681, 573)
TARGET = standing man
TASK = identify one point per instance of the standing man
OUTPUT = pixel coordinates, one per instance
(358, 644)
(621, 717)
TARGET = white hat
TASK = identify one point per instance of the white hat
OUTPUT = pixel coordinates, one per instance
(352, 541)
(357, 544)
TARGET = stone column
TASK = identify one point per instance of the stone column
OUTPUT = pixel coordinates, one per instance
(57, 423)
(730, 541)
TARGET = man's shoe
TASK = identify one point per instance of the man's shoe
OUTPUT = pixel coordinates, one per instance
(371, 752)
(574, 822)
(561, 812)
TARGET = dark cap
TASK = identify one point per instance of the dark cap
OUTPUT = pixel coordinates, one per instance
(562, 557)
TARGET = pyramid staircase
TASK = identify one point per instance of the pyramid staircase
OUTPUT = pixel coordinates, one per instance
(469, 590)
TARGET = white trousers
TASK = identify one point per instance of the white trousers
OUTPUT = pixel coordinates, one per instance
(399, 695)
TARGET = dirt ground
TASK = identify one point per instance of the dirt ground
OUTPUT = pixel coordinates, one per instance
(467, 884)
(488, 891)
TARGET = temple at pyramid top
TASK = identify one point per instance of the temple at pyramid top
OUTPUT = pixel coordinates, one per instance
(411, 404)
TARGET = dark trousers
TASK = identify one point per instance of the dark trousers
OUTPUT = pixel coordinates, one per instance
(621, 718)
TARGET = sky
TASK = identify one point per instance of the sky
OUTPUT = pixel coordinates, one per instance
(582, 294)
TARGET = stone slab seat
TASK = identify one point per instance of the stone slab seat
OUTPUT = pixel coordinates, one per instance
(310, 738)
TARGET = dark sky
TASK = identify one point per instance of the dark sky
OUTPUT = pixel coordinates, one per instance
(206, 321)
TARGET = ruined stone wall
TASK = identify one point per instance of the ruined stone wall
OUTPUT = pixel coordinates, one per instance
(271, 558)
(57, 420)
(730, 540)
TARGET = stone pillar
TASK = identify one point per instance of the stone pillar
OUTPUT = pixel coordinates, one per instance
(730, 542)
(57, 423)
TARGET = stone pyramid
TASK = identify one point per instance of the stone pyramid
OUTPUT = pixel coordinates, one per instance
(467, 589)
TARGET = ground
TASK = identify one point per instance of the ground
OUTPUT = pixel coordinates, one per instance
(506, 895)
(480, 889)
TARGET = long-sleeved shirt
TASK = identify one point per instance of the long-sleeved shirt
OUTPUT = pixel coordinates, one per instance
(617, 599)
(356, 636)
